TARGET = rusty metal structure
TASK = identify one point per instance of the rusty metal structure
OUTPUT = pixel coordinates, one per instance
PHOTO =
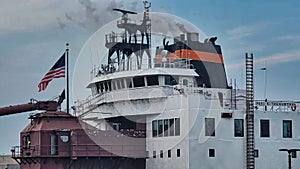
(56, 139)
(39, 105)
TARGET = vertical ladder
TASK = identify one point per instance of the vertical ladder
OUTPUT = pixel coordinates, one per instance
(249, 113)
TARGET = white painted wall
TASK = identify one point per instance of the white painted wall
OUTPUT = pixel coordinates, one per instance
(192, 108)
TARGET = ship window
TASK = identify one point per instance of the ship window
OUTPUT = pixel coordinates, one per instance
(166, 127)
(161, 154)
(154, 128)
(209, 127)
(106, 86)
(113, 85)
(27, 141)
(53, 145)
(118, 84)
(122, 83)
(160, 128)
(287, 128)
(211, 152)
(101, 87)
(116, 126)
(152, 80)
(177, 127)
(138, 81)
(178, 153)
(94, 91)
(154, 154)
(264, 128)
(109, 85)
(171, 123)
(171, 80)
(238, 128)
(97, 88)
(185, 82)
(129, 83)
(169, 153)
(256, 153)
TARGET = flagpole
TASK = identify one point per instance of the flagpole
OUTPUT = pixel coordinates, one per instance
(67, 74)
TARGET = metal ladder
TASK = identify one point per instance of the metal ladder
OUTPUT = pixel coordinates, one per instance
(249, 112)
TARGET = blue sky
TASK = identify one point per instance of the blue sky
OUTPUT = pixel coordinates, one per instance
(33, 36)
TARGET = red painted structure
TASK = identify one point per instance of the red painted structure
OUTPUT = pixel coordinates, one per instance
(40, 105)
(56, 139)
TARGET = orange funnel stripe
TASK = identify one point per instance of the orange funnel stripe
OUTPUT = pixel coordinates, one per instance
(193, 55)
(199, 55)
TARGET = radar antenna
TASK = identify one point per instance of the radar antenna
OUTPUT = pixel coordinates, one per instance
(136, 40)
(125, 14)
(147, 5)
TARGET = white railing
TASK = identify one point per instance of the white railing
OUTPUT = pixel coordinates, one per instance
(91, 103)
(173, 63)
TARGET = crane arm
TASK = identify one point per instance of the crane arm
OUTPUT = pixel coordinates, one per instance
(40, 105)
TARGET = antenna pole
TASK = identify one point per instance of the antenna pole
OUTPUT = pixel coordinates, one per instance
(265, 87)
(265, 93)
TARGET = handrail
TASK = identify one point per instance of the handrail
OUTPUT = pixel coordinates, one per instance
(78, 150)
(171, 62)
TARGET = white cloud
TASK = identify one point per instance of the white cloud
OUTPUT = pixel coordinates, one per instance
(240, 32)
(289, 38)
(236, 51)
(30, 15)
(280, 58)
(243, 31)
(94, 14)
(22, 15)
(273, 59)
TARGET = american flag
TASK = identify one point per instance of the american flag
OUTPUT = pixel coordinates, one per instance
(57, 71)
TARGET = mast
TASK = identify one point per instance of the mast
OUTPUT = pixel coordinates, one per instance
(130, 43)
(67, 77)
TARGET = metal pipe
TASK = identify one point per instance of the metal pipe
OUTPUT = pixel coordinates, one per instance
(41, 105)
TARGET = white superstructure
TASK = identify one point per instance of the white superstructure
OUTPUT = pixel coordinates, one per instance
(186, 124)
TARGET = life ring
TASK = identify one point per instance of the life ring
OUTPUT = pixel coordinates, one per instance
(293, 107)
